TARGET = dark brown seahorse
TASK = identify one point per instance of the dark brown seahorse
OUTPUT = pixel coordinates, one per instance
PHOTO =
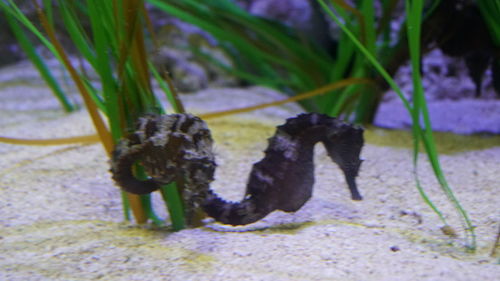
(179, 147)
(176, 147)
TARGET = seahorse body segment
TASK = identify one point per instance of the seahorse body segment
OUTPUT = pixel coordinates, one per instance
(179, 147)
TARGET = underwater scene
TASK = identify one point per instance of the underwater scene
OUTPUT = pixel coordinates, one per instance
(249, 140)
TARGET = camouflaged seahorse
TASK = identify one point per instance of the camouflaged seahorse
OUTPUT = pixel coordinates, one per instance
(179, 147)
(176, 147)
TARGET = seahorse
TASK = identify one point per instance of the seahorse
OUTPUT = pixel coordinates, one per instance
(175, 147)
(179, 147)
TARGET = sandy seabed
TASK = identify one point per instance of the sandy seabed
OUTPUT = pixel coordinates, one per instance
(61, 215)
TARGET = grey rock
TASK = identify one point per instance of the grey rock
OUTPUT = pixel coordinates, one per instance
(463, 116)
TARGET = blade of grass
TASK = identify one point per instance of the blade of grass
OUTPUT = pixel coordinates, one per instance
(32, 54)
(145, 200)
(54, 141)
(76, 32)
(319, 91)
(171, 195)
(359, 16)
(126, 206)
(98, 16)
(414, 11)
(490, 10)
(148, 207)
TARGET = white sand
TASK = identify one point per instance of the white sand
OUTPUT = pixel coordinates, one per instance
(61, 217)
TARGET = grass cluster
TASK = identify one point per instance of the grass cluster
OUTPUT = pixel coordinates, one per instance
(417, 108)
(271, 54)
(345, 77)
(114, 46)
